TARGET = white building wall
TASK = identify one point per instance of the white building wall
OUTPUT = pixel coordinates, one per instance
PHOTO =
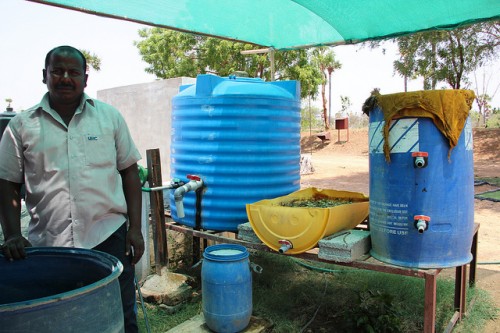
(147, 109)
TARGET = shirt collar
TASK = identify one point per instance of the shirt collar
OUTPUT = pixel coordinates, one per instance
(45, 105)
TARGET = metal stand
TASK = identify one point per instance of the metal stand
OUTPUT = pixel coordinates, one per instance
(369, 263)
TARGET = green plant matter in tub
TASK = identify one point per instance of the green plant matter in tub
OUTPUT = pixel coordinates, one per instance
(316, 202)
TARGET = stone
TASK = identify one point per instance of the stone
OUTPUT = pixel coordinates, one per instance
(306, 165)
(246, 233)
(168, 288)
(345, 246)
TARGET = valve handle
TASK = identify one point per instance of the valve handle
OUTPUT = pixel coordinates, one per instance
(193, 177)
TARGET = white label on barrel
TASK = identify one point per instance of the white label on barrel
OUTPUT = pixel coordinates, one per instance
(468, 135)
(403, 136)
(389, 217)
(225, 252)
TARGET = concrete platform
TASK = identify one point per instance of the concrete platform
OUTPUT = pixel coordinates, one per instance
(246, 233)
(197, 325)
(345, 246)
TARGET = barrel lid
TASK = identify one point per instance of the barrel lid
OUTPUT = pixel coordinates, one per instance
(225, 252)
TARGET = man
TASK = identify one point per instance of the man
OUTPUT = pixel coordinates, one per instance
(78, 162)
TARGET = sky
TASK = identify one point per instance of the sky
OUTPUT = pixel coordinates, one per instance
(29, 30)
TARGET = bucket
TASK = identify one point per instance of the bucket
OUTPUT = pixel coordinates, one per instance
(242, 137)
(422, 200)
(226, 288)
(61, 290)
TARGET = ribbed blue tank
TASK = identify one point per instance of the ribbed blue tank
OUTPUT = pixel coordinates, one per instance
(242, 137)
(443, 190)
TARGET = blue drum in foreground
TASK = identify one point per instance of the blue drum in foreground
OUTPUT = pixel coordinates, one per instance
(226, 288)
(61, 290)
(422, 183)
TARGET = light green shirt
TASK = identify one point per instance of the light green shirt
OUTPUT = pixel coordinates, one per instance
(74, 191)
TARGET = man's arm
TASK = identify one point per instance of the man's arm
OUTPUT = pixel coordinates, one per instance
(10, 218)
(133, 196)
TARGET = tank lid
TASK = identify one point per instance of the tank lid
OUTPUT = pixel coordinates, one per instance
(215, 86)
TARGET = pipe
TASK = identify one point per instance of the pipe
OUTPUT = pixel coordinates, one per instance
(174, 183)
(285, 245)
(421, 226)
(419, 162)
(420, 158)
(194, 183)
(421, 223)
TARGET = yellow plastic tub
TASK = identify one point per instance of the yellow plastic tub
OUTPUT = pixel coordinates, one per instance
(294, 230)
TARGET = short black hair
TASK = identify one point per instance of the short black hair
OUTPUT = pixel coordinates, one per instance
(67, 48)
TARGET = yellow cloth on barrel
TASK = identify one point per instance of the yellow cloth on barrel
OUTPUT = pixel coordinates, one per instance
(448, 109)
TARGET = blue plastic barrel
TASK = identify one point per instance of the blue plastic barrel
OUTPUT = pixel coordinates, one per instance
(242, 137)
(421, 215)
(226, 288)
(61, 290)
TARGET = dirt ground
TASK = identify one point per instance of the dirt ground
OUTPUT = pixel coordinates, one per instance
(343, 165)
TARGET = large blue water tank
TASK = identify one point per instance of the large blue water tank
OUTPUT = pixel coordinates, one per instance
(438, 197)
(242, 137)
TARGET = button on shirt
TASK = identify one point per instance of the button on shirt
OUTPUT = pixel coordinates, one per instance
(74, 189)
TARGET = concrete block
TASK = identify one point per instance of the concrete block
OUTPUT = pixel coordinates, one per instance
(345, 246)
(197, 325)
(246, 233)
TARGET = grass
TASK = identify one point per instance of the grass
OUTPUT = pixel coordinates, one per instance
(491, 195)
(299, 296)
(495, 181)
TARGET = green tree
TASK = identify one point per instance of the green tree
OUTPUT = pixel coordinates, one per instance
(92, 60)
(324, 59)
(172, 54)
(447, 56)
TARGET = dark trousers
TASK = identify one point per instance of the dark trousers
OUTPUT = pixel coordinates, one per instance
(115, 245)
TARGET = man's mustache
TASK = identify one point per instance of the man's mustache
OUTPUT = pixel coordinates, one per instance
(65, 85)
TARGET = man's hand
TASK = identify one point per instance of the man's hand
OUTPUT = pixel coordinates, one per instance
(136, 242)
(14, 246)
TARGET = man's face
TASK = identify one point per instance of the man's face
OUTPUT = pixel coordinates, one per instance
(65, 77)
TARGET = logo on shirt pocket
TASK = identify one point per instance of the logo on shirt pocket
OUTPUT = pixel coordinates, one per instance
(100, 150)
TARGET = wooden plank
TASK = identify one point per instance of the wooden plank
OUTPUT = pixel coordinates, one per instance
(157, 209)
(197, 325)
(473, 263)
(430, 304)
(323, 136)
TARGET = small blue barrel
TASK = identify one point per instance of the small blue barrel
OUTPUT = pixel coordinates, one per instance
(422, 201)
(61, 290)
(242, 137)
(226, 285)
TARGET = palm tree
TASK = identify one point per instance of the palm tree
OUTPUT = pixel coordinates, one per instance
(324, 59)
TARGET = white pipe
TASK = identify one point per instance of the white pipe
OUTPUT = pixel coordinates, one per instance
(419, 162)
(179, 193)
(285, 245)
(421, 226)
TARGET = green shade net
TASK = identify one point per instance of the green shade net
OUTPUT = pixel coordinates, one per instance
(286, 24)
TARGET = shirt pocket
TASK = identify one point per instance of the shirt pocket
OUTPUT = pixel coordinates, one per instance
(100, 150)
